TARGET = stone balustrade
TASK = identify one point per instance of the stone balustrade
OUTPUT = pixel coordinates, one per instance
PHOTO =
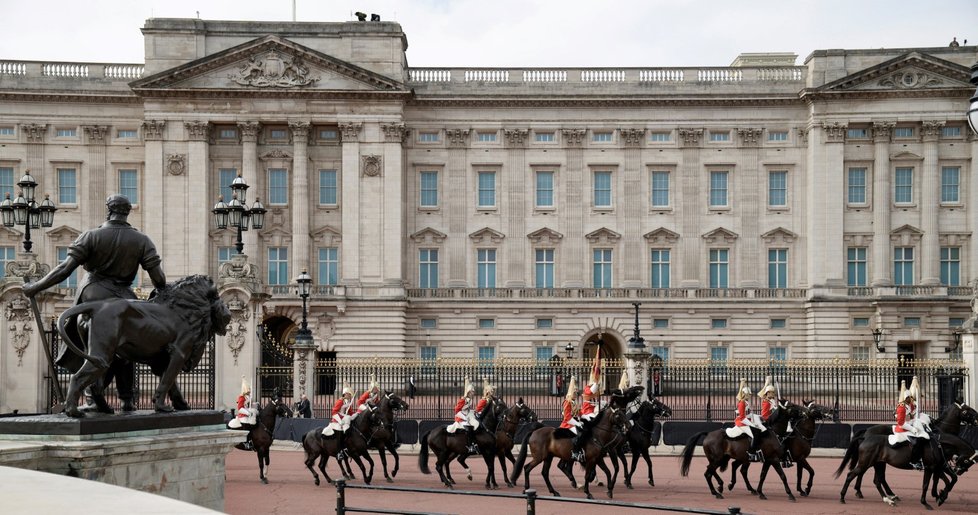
(125, 72)
(792, 74)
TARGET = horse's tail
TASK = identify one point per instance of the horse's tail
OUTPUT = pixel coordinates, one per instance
(851, 453)
(521, 459)
(859, 434)
(85, 308)
(687, 455)
(423, 455)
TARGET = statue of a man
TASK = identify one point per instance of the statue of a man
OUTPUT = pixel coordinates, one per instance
(112, 255)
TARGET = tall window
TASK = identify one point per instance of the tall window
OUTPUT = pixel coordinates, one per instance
(129, 185)
(429, 189)
(718, 189)
(660, 189)
(67, 186)
(660, 268)
(903, 266)
(429, 356)
(7, 254)
(777, 268)
(72, 280)
(718, 360)
(719, 265)
(486, 357)
(856, 266)
(857, 186)
(224, 255)
(226, 176)
(327, 187)
(777, 354)
(950, 184)
(487, 189)
(602, 189)
(486, 268)
(777, 189)
(278, 265)
(903, 186)
(6, 182)
(329, 265)
(278, 186)
(428, 268)
(602, 268)
(544, 268)
(545, 189)
(951, 266)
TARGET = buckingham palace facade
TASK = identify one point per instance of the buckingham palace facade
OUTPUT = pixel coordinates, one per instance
(761, 210)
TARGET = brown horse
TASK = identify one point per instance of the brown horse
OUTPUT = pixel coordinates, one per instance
(512, 420)
(448, 446)
(384, 438)
(261, 435)
(548, 442)
(356, 438)
(874, 451)
(720, 449)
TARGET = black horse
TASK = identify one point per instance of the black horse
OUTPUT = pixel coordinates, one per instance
(512, 420)
(639, 437)
(448, 446)
(787, 413)
(316, 445)
(874, 451)
(261, 435)
(384, 437)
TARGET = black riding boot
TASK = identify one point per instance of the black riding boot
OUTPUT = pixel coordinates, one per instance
(577, 452)
(753, 452)
(340, 447)
(916, 454)
(473, 446)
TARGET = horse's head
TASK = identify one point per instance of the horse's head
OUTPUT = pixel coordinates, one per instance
(793, 412)
(962, 464)
(282, 409)
(656, 408)
(615, 417)
(522, 412)
(968, 415)
(396, 403)
(817, 411)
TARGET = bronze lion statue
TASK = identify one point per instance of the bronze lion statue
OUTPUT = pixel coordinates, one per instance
(171, 329)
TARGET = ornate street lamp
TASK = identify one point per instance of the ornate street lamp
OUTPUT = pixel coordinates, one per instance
(236, 213)
(304, 335)
(636, 342)
(569, 349)
(878, 339)
(25, 211)
(955, 339)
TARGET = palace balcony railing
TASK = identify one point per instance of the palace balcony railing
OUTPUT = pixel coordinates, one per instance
(124, 72)
(643, 75)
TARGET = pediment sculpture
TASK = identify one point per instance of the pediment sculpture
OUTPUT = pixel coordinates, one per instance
(273, 71)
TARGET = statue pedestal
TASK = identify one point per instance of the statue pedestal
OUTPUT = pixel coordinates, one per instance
(177, 455)
(637, 366)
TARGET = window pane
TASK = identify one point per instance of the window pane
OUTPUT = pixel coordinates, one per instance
(225, 177)
(718, 268)
(544, 268)
(951, 266)
(602, 189)
(328, 266)
(903, 186)
(278, 265)
(486, 268)
(602, 268)
(278, 186)
(903, 266)
(778, 188)
(950, 181)
(857, 185)
(429, 189)
(660, 189)
(856, 266)
(7, 254)
(72, 280)
(487, 189)
(128, 185)
(660, 268)
(545, 189)
(429, 323)
(327, 187)
(7, 182)
(718, 189)
(428, 268)
(67, 186)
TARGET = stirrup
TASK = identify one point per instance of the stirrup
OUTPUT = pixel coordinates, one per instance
(578, 456)
(917, 465)
(473, 448)
(755, 457)
(248, 446)
(341, 455)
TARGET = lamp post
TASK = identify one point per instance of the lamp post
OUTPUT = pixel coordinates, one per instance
(25, 211)
(304, 347)
(955, 339)
(636, 342)
(236, 213)
(304, 281)
(569, 349)
(878, 339)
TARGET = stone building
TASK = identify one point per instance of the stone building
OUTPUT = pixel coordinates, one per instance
(762, 210)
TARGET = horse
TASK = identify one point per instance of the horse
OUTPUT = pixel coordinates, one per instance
(262, 434)
(875, 451)
(384, 438)
(448, 446)
(719, 450)
(316, 445)
(639, 437)
(512, 420)
(169, 332)
(546, 443)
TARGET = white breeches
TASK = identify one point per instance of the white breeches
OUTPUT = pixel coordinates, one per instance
(755, 421)
(736, 431)
(463, 419)
(339, 423)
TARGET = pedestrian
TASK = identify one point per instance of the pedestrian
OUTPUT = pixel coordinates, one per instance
(411, 389)
(304, 408)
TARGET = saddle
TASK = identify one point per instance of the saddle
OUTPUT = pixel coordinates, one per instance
(562, 432)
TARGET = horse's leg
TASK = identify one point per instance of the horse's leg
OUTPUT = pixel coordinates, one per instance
(881, 472)
(784, 480)
(743, 473)
(502, 464)
(323, 458)
(567, 467)
(383, 462)
(648, 463)
(261, 467)
(490, 471)
(310, 461)
(369, 476)
(733, 475)
(760, 481)
(611, 480)
(546, 474)
(461, 461)
(923, 489)
(709, 475)
(630, 469)
(803, 463)
(858, 488)
(391, 448)
(948, 485)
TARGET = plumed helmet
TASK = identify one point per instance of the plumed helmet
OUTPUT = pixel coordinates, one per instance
(347, 389)
(374, 385)
(572, 389)
(469, 387)
(623, 383)
(768, 387)
(743, 391)
(487, 389)
(904, 391)
(118, 204)
(915, 388)
(245, 387)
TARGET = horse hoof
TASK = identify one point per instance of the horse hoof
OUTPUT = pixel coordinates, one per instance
(762, 497)
(729, 487)
(651, 483)
(929, 507)
(611, 495)
(859, 495)
(469, 475)
(889, 501)
(896, 498)
(842, 501)
(629, 486)
(589, 496)
(792, 498)
(317, 481)
(718, 496)
(803, 494)
(753, 492)
(264, 481)
(389, 480)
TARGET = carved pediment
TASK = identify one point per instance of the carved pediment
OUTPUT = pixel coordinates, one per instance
(326, 236)
(858, 239)
(268, 64)
(906, 156)
(661, 236)
(63, 233)
(275, 236)
(603, 235)
(779, 236)
(906, 235)
(486, 236)
(720, 235)
(545, 236)
(910, 71)
(428, 236)
(10, 236)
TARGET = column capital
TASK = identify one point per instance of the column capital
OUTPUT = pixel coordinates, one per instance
(34, 131)
(516, 137)
(882, 131)
(573, 137)
(835, 132)
(197, 130)
(300, 131)
(690, 137)
(803, 134)
(749, 136)
(457, 138)
(632, 137)
(394, 132)
(350, 131)
(95, 134)
(249, 131)
(931, 130)
(153, 130)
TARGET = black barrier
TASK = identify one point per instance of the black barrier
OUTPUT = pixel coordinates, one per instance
(830, 435)
(407, 432)
(677, 433)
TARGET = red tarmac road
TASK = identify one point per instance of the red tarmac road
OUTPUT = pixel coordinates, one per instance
(291, 490)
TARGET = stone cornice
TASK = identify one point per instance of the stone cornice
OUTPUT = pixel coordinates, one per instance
(954, 92)
(61, 96)
(623, 102)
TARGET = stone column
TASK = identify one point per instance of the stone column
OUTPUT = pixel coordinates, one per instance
(824, 190)
(351, 212)
(690, 204)
(300, 197)
(154, 132)
(249, 172)
(303, 367)
(238, 352)
(881, 204)
(930, 207)
(970, 196)
(195, 234)
(514, 221)
(392, 158)
(575, 204)
(96, 179)
(633, 203)
(457, 201)
(637, 368)
(752, 186)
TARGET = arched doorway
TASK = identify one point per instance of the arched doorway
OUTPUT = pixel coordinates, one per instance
(276, 334)
(611, 357)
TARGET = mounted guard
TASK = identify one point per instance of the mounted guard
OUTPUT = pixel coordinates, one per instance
(465, 416)
(590, 406)
(770, 403)
(905, 429)
(747, 423)
(342, 416)
(371, 397)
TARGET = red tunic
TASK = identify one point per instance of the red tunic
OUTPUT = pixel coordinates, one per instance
(766, 409)
(241, 405)
(460, 405)
(901, 418)
(742, 410)
(481, 405)
(338, 407)
(568, 414)
(363, 398)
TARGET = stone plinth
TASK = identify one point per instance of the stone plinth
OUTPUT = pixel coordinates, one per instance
(177, 455)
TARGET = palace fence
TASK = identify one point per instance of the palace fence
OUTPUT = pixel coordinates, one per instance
(696, 390)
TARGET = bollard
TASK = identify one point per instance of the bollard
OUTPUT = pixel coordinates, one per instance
(340, 496)
(733, 509)
(531, 501)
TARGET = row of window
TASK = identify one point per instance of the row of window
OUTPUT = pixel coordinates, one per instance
(276, 134)
(71, 132)
(948, 131)
(127, 182)
(903, 185)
